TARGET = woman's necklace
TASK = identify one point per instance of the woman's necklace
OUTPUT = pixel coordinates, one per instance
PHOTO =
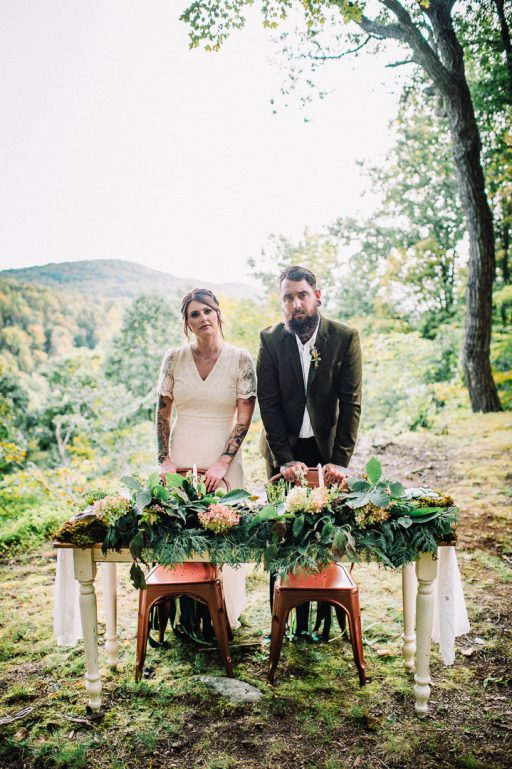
(209, 358)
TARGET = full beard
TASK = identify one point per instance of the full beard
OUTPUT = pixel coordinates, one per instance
(303, 327)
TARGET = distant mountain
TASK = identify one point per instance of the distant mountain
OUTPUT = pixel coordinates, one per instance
(116, 278)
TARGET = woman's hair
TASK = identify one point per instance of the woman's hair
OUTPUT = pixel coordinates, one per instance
(205, 296)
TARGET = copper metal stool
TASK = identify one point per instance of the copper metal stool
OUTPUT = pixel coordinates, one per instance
(201, 581)
(332, 585)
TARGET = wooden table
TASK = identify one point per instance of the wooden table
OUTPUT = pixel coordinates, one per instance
(418, 609)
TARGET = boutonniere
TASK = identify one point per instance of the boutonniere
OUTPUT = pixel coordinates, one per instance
(315, 356)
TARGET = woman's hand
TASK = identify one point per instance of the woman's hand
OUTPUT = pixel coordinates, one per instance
(214, 475)
(167, 466)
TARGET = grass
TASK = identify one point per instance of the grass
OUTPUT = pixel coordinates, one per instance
(316, 715)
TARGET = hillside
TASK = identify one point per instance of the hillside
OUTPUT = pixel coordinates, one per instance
(116, 278)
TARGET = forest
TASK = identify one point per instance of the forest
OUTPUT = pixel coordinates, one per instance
(80, 353)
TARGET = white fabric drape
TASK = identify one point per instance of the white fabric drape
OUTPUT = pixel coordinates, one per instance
(450, 614)
(66, 606)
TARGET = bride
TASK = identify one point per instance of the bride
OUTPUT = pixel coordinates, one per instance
(212, 386)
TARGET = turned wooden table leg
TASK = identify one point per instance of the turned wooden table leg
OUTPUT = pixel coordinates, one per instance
(409, 612)
(85, 572)
(426, 571)
(110, 599)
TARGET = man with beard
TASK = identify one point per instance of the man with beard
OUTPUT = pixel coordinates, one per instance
(309, 393)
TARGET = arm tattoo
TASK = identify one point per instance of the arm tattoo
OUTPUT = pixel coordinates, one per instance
(163, 431)
(235, 439)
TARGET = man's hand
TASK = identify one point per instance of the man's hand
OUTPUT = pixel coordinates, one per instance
(214, 475)
(167, 466)
(334, 474)
(292, 471)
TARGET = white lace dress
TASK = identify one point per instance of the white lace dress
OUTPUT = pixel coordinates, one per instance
(205, 417)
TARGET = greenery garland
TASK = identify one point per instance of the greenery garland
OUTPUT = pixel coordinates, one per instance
(365, 519)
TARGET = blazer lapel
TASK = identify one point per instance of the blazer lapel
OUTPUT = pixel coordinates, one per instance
(293, 354)
(320, 344)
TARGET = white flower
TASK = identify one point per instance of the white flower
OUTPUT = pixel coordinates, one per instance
(297, 499)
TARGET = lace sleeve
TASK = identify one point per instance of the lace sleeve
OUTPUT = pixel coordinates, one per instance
(246, 381)
(166, 378)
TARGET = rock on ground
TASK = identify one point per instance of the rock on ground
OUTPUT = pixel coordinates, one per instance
(231, 688)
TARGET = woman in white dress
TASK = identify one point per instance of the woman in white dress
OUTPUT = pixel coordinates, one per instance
(212, 387)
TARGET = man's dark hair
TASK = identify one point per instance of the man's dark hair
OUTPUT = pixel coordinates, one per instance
(297, 272)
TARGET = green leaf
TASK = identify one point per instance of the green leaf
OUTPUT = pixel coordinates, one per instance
(161, 493)
(327, 532)
(153, 480)
(358, 501)
(180, 495)
(173, 479)
(267, 513)
(137, 577)
(396, 489)
(405, 521)
(419, 511)
(379, 497)
(374, 470)
(131, 483)
(358, 485)
(235, 495)
(339, 543)
(209, 499)
(298, 525)
(136, 545)
(427, 517)
(143, 498)
(270, 554)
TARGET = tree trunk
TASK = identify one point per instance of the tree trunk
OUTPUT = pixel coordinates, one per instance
(466, 150)
(505, 39)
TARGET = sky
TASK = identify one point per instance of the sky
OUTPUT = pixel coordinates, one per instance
(118, 141)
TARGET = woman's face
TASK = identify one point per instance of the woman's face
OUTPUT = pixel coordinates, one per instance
(202, 320)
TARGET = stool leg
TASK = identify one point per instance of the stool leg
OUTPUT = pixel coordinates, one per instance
(279, 617)
(356, 637)
(219, 621)
(142, 633)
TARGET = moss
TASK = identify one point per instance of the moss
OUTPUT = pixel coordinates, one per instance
(84, 529)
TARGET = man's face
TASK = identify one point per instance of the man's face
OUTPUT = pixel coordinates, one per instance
(300, 302)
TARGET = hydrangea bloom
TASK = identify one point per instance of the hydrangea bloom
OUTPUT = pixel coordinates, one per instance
(370, 513)
(218, 518)
(318, 499)
(110, 508)
(297, 499)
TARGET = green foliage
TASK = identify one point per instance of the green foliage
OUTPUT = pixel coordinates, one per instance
(301, 529)
(150, 326)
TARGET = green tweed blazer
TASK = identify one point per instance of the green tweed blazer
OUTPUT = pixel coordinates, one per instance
(333, 394)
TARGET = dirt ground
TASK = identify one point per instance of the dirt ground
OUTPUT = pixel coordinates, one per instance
(316, 716)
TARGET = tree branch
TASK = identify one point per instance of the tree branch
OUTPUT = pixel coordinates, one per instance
(330, 57)
(407, 32)
(401, 63)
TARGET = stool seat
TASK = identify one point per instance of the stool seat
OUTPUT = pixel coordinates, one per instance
(333, 577)
(182, 572)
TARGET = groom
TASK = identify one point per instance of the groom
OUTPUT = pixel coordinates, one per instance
(309, 391)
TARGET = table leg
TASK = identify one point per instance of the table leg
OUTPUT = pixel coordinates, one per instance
(85, 572)
(426, 571)
(109, 571)
(409, 613)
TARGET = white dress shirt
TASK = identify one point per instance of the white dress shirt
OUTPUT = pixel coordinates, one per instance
(306, 430)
